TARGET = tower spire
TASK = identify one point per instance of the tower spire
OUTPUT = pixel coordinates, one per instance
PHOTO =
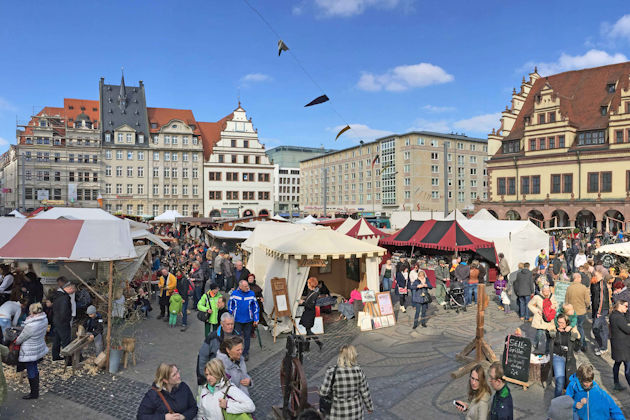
(122, 95)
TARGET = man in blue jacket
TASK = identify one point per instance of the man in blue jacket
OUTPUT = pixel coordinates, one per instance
(589, 400)
(502, 407)
(244, 308)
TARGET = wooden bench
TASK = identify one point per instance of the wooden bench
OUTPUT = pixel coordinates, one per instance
(73, 350)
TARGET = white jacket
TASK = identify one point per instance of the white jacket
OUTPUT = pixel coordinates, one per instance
(579, 261)
(208, 402)
(32, 338)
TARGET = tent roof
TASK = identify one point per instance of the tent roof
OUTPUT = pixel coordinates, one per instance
(279, 218)
(447, 235)
(307, 219)
(266, 231)
(346, 225)
(456, 212)
(483, 214)
(363, 229)
(65, 240)
(622, 249)
(73, 213)
(168, 216)
(145, 234)
(320, 242)
(230, 234)
(17, 214)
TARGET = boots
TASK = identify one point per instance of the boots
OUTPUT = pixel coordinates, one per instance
(34, 383)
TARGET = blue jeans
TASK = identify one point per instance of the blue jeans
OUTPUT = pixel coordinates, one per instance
(559, 364)
(541, 335)
(420, 308)
(31, 369)
(244, 329)
(387, 284)
(4, 324)
(523, 310)
(580, 328)
(470, 289)
(600, 330)
(197, 295)
(184, 311)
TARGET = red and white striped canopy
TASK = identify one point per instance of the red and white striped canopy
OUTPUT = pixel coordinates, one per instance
(362, 229)
(65, 240)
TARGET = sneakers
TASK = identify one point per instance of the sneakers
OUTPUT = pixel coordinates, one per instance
(402, 309)
(598, 352)
(603, 352)
(246, 357)
(415, 326)
(265, 327)
(184, 328)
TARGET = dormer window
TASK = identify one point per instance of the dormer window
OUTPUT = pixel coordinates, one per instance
(603, 110)
(153, 125)
(610, 87)
(70, 107)
(527, 119)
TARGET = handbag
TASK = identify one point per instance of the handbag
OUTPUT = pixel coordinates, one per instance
(427, 296)
(203, 316)
(326, 401)
(168, 407)
(402, 290)
(230, 416)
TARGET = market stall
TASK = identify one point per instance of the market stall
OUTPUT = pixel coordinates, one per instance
(168, 216)
(232, 238)
(366, 232)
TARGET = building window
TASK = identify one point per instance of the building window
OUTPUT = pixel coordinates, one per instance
(108, 137)
(561, 141)
(541, 118)
(184, 189)
(214, 195)
(214, 176)
(264, 177)
(140, 172)
(140, 188)
(119, 155)
(156, 172)
(108, 154)
(57, 176)
(603, 110)
(586, 138)
(195, 190)
(435, 156)
(618, 136)
(593, 182)
(606, 182)
(118, 188)
(435, 169)
(174, 156)
(511, 184)
(156, 156)
(167, 139)
(129, 171)
(610, 87)
(120, 138)
(542, 143)
(129, 208)
(556, 184)
(511, 146)
(141, 138)
(174, 140)
(231, 195)
(155, 209)
(524, 185)
(232, 143)
(532, 144)
(108, 188)
(552, 117)
(129, 138)
(185, 157)
(500, 186)
(118, 171)
(406, 155)
(195, 173)
(552, 142)
(195, 157)
(156, 189)
(141, 209)
(167, 156)
(155, 139)
(140, 155)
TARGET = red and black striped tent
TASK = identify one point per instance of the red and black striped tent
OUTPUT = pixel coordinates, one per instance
(444, 235)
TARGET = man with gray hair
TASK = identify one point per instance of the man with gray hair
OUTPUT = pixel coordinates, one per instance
(211, 344)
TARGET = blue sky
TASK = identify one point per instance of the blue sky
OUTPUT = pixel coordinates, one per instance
(387, 65)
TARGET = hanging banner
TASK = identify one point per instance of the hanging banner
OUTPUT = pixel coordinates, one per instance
(43, 195)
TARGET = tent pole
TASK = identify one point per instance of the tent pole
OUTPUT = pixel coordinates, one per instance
(109, 307)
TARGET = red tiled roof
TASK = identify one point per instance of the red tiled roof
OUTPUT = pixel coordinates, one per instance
(582, 93)
(211, 134)
(162, 116)
(91, 108)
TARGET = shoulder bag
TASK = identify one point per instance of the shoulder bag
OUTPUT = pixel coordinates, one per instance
(168, 407)
(204, 316)
(326, 401)
(230, 416)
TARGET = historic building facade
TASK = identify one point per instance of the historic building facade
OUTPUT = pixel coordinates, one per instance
(397, 172)
(238, 176)
(561, 153)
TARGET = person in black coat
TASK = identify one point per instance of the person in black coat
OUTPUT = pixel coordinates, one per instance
(169, 398)
(620, 342)
(32, 288)
(420, 298)
(402, 287)
(564, 343)
(308, 316)
(62, 317)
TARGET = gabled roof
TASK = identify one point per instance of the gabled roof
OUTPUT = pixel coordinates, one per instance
(211, 134)
(582, 93)
(162, 116)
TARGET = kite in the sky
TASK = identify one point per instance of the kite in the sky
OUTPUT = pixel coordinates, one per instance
(282, 47)
(316, 101)
(343, 130)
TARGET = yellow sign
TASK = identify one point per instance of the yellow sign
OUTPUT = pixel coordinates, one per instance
(54, 202)
(315, 262)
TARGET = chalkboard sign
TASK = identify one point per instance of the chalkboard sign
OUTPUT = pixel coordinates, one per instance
(516, 357)
(559, 291)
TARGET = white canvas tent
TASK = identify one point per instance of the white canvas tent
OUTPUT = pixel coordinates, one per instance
(399, 219)
(279, 218)
(308, 219)
(346, 225)
(168, 216)
(75, 213)
(285, 252)
(17, 214)
(483, 214)
(622, 249)
(456, 214)
(519, 241)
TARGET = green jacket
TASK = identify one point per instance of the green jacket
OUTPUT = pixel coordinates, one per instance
(175, 303)
(208, 302)
(4, 351)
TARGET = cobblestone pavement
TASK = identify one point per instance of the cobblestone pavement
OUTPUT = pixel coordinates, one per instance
(408, 370)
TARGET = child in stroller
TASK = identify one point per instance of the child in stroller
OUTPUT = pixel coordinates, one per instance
(455, 296)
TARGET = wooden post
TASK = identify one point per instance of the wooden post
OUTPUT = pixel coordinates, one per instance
(85, 283)
(109, 307)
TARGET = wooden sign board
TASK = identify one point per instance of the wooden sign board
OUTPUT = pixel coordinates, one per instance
(280, 296)
(515, 359)
(384, 304)
(368, 296)
(313, 262)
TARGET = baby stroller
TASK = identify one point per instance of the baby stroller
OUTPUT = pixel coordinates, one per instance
(455, 297)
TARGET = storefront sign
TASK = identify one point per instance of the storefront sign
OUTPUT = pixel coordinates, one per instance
(53, 202)
(229, 212)
(314, 262)
(48, 273)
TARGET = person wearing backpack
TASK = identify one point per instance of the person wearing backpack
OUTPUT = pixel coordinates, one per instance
(544, 308)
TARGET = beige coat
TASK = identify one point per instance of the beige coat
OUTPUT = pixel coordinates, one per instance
(479, 410)
(536, 307)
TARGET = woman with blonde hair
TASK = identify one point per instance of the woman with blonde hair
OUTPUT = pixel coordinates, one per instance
(33, 346)
(478, 396)
(219, 395)
(346, 385)
(168, 397)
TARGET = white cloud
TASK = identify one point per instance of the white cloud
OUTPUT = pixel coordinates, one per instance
(3, 142)
(479, 124)
(346, 8)
(403, 78)
(619, 29)
(255, 78)
(437, 109)
(360, 132)
(566, 62)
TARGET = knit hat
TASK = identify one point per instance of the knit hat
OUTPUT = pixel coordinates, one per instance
(561, 408)
(175, 291)
(91, 310)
